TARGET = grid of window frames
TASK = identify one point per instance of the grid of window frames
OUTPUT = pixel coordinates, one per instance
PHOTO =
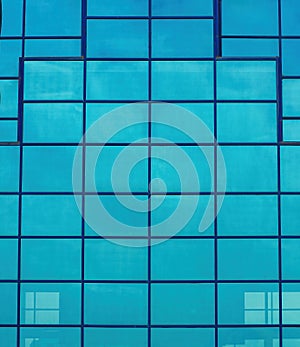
(237, 284)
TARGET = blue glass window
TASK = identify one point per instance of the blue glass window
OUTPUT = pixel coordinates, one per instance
(290, 218)
(117, 8)
(290, 259)
(8, 337)
(250, 47)
(290, 17)
(8, 259)
(9, 98)
(290, 164)
(182, 38)
(291, 336)
(290, 53)
(117, 38)
(52, 48)
(12, 17)
(8, 131)
(10, 51)
(290, 303)
(291, 130)
(182, 8)
(9, 171)
(8, 301)
(291, 101)
(9, 205)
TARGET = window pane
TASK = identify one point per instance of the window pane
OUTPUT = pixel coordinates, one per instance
(8, 259)
(182, 38)
(290, 17)
(254, 259)
(117, 8)
(8, 131)
(246, 80)
(177, 80)
(182, 304)
(290, 217)
(117, 304)
(8, 301)
(290, 164)
(10, 51)
(290, 52)
(291, 130)
(118, 38)
(8, 337)
(9, 205)
(290, 259)
(53, 80)
(290, 303)
(12, 17)
(172, 261)
(117, 80)
(52, 48)
(182, 8)
(51, 259)
(291, 337)
(250, 47)
(54, 215)
(291, 101)
(9, 98)
(50, 303)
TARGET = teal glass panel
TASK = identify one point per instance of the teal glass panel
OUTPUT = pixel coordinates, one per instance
(174, 180)
(252, 337)
(48, 168)
(8, 131)
(252, 259)
(52, 48)
(9, 98)
(248, 303)
(290, 259)
(117, 38)
(290, 17)
(12, 17)
(9, 205)
(122, 216)
(182, 304)
(291, 101)
(110, 261)
(58, 17)
(50, 303)
(10, 51)
(182, 38)
(177, 80)
(290, 303)
(183, 260)
(248, 215)
(8, 259)
(256, 17)
(181, 337)
(290, 337)
(291, 130)
(53, 80)
(129, 134)
(290, 217)
(9, 170)
(117, 8)
(8, 301)
(190, 226)
(182, 8)
(8, 337)
(290, 165)
(245, 162)
(114, 337)
(50, 337)
(290, 54)
(247, 122)
(52, 122)
(246, 80)
(117, 80)
(51, 259)
(115, 304)
(50, 215)
(108, 161)
(250, 47)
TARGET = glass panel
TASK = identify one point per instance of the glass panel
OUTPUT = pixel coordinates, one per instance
(290, 53)
(290, 165)
(52, 48)
(117, 304)
(291, 101)
(177, 80)
(9, 205)
(182, 8)
(8, 259)
(290, 303)
(8, 337)
(290, 259)
(182, 304)
(117, 38)
(254, 259)
(291, 130)
(290, 217)
(51, 259)
(9, 98)
(9, 171)
(290, 17)
(8, 131)
(10, 51)
(117, 8)
(291, 337)
(8, 302)
(250, 47)
(12, 17)
(182, 38)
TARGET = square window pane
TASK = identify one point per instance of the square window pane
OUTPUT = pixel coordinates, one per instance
(291, 130)
(117, 8)
(182, 38)
(8, 131)
(48, 169)
(182, 8)
(58, 17)
(9, 208)
(182, 304)
(9, 171)
(51, 259)
(115, 304)
(117, 38)
(53, 303)
(290, 259)
(53, 122)
(110, 261)
(246, 80)
(290, 217)
(256, 17)
(250, 168)
(10, 51)
(117, 80)
(252, 259)
(247, 122)
(9, 98)
(171, 261)
(290, 17)
(248, 215)
(8, 302)
(291, 337)
(291, 101)
(177, 80)
(290, 165)
(8, 337)
(53, 215)
(52, 48)
(53, 80)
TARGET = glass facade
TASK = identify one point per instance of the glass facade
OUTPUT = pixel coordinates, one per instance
(233, 64)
